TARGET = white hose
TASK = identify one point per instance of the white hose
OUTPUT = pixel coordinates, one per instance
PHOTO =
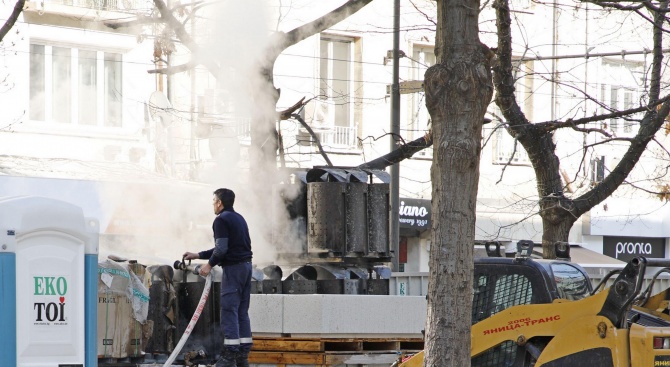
(191, 325)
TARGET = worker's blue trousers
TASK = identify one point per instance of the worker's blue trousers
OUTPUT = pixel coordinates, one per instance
(235, 295)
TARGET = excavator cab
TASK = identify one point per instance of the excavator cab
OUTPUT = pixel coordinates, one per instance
(564, 322)
(533, 312)
(501, 282)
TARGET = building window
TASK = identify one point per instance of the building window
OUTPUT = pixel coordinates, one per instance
(61, 87)
(418, 123)
(335, 80)
(506, 150)
(619, 91)
(333, 114)
(37, 86)
(75, 86)
(523, 86)
(112, 95)
(597, 169)
(88, 87)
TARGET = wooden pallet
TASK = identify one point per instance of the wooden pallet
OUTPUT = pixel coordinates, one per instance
(326, 352)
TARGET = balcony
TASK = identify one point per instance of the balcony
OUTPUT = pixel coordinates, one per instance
(330, 137)
(338, 137)
(75, 7)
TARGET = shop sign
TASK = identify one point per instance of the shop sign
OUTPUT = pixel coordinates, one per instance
(414, 213)
(627, 248)
(49, 306)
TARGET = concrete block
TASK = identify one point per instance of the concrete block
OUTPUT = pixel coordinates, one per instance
(266, 313)
(354, 315)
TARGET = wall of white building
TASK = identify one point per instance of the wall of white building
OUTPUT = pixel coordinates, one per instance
(351, 58)
(70, 119)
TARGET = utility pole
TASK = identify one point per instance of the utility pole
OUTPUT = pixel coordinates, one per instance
(394, 236)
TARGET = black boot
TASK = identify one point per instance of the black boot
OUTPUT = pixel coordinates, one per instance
(242, 359)
(227, 358)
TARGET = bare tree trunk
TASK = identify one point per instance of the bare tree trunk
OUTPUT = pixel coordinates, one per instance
(554, 232)
(458, 90)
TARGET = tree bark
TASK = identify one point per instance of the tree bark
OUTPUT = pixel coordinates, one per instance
(458, 90)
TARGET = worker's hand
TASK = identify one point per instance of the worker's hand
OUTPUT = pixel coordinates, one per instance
(205, 269)
(191, 255)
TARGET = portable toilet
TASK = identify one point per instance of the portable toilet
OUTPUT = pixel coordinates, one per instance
(48, 283)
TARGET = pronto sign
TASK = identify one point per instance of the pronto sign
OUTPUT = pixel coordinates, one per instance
(414, 213)
(627, 248)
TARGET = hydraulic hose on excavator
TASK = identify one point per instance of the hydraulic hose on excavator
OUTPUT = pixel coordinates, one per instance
(196, 315)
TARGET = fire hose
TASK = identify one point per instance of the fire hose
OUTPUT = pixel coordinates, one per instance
(196, 315)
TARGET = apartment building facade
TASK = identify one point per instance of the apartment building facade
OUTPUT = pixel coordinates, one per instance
(79, 104)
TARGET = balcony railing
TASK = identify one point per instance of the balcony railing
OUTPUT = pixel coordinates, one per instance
(109, 5)
(337, 136)
(333, 137)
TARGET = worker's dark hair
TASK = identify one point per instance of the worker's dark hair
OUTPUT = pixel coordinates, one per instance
(226, 196)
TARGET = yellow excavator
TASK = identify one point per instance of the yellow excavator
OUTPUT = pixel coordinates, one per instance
(529, 312)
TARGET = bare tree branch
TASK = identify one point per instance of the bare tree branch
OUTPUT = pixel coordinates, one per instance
(11, 20)
(170, 70)
(403, 152)
(287, 113)
(615, 5)
(509, 161)
(591, 130)
(284, 40)
(428, 18)
(184, 37)
(316, 139)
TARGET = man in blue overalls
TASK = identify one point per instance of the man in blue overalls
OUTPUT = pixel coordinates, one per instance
(232, 250)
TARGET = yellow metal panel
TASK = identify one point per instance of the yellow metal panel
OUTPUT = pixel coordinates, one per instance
(588, 332)
(528, 321)
(642, 352)
(415, 361)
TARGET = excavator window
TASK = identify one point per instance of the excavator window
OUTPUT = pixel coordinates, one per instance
(493, 293)
(571, 283)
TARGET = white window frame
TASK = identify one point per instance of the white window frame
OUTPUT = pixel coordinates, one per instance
(328, 101)
(619, 90)
(504, 151)
(418, 122)
(74, 87)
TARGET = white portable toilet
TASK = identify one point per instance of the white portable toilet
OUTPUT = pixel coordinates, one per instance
(48, 283)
